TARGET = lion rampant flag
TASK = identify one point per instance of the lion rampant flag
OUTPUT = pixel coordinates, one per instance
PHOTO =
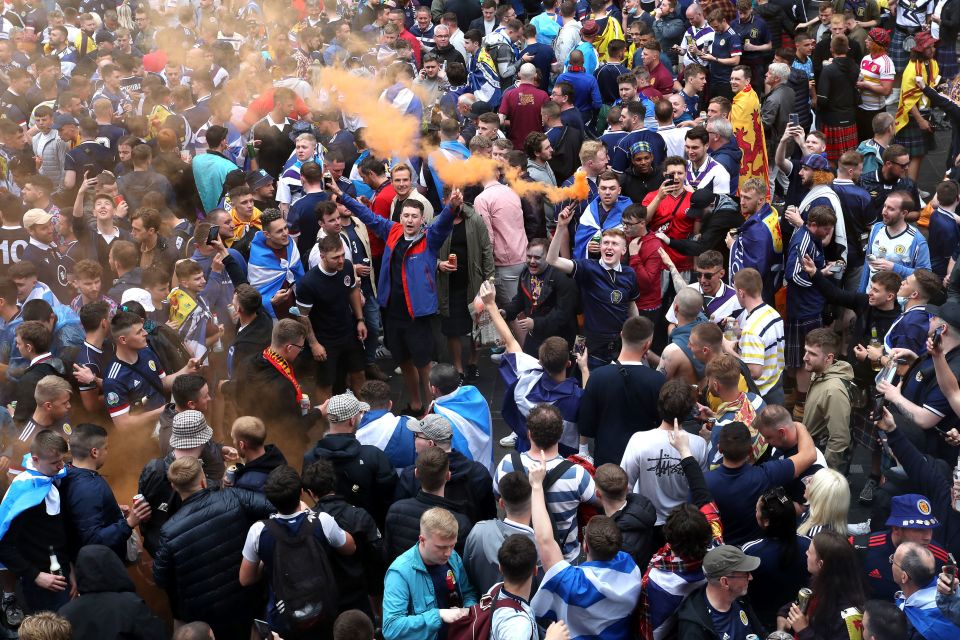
(748, 132)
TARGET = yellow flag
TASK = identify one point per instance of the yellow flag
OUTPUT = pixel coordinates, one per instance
(748, 132)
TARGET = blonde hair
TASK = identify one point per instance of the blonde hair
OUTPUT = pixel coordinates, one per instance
(440, 522)
(45, 625)
(50, 388)
(828, 495)
(184, 474)
(250, 429)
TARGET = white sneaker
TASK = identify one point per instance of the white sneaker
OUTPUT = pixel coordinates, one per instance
(496, 357)
(509, 441)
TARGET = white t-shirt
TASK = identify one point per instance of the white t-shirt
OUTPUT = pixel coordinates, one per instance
(654, 471)
(335, 535)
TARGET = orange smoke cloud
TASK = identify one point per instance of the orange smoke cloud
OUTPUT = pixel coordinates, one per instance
(387, 132)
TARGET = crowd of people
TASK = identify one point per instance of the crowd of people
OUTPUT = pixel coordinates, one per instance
(703, 243)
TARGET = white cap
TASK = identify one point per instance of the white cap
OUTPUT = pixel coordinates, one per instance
(138, 295)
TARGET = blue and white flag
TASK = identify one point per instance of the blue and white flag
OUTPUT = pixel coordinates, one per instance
(529, 385)
(596, 599)
(390, 434)
(924, 615)
(267, 274)
(28, 489)
(468, 411)
(666, 591)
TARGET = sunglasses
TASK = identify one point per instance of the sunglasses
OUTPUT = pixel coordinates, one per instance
(705, 275)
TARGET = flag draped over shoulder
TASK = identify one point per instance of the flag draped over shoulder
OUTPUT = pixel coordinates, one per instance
(28, 489)
(596, 599)
(390, 434)
(748, 132)
(189, 317)
(468, 411)
(267, 274)
(528, 385)
(910, 93)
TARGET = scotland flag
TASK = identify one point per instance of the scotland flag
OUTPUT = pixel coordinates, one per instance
(390, 434)
(595, 599)
(469, 413)
(528, 385)
(28, 489)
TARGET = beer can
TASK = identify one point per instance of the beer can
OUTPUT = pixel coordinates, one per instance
(305, 404)
(803, 599)
(452, 259)
(137, 499)
(230, 474)
(779, 635)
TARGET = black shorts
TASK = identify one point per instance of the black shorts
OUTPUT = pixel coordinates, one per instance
(347, 357)
(410, 340)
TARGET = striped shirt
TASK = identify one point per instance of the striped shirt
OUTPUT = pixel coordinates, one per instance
(761, 342)
(571, 489)
(873, 71)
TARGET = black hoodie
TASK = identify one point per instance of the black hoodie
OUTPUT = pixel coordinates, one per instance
(470, 485)
(713, 229)
(108, 607)
(365, 477)
(253, 474)
(636, 521)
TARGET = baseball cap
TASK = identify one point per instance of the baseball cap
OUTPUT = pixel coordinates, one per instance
(949, 312)
(190, 430)
(345, 406)
(259, 178)
(699, 201)
(141, 296)
(816, 162)
(433, 427)
(479, 108)
(726, 559)
(36, 216)
(63, 119)
(911, 511)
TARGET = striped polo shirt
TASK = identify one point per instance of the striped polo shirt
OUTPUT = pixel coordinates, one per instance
(563, 497)
(761, 342)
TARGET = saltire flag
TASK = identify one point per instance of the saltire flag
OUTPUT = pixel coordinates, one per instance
(468, 411)
(529, 385)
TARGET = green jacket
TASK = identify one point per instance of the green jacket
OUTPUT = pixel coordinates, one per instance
(479, 260)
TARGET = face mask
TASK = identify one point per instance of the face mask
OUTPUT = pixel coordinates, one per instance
(902, 301)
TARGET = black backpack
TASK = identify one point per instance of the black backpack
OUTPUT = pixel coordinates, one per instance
(304, 589)
(552, 476)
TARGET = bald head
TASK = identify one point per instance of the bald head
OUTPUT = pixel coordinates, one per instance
(527, 72)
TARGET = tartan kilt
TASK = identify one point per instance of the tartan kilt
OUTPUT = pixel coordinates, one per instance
(795, 340)
(947, 60)
(840, 140)
(914, 140)
(899, 57)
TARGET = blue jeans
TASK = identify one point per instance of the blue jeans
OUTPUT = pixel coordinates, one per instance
(371, 317)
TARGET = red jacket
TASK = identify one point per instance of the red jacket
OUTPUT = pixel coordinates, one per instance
(648, 266)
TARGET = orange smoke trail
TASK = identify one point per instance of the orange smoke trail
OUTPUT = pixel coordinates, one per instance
(462, 173)
(579, 190)
(388, 133)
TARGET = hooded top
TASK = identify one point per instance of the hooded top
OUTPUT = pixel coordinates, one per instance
(827, 411)
(108, 606)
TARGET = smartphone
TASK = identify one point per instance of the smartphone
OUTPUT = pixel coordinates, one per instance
(579, 344)
(938, 336)
(213, 233)
(794, 120)
(669, 182)
(734, 232)
(263, 629)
